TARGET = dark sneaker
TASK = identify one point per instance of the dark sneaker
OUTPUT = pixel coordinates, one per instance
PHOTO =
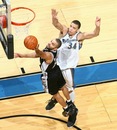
(72, 118)
(65, 112)
(69, 111)
(51, 103)
(70, 103)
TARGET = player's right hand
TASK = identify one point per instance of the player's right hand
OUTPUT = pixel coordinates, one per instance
(16, 55)
(54, 13)
(37, 47)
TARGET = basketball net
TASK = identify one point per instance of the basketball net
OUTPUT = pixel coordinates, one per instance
(20, 32)
(22, 18)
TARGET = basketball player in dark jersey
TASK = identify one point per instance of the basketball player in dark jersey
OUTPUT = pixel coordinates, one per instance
(52, 78)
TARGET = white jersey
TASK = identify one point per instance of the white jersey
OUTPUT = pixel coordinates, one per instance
(68, 53)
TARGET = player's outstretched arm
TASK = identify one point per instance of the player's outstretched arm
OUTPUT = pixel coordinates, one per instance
(48, 56)
(56, 22)
(30, 55)
(94, 33)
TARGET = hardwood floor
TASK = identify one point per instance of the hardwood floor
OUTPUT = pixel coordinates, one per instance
(96, 103)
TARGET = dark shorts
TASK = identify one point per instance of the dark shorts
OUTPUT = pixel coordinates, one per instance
(55, 80)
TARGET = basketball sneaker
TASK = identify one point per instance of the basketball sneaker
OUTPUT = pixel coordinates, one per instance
(51, 103)
(72, 118)
(70, 110)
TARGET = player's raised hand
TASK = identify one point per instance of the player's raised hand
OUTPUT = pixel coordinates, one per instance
(54, 13)
(98, 21)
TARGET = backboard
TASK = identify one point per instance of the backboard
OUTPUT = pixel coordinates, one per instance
(6, 36)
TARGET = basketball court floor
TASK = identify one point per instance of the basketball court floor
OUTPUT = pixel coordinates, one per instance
(22, 103)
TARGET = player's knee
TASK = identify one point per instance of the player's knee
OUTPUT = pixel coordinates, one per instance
(70, 89)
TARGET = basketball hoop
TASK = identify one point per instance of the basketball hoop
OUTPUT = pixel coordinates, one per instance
(21, 19)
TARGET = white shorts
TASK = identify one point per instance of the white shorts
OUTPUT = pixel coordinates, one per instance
(68, 75)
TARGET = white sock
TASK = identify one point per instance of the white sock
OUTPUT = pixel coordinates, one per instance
(66, 107)
(72, 95)
(69, 100)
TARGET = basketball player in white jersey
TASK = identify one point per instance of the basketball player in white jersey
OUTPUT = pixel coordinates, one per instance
(68, 54)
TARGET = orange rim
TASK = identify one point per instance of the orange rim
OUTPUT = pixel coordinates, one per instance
(21, 24)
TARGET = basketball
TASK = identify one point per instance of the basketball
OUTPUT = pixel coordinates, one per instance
(30, 42)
